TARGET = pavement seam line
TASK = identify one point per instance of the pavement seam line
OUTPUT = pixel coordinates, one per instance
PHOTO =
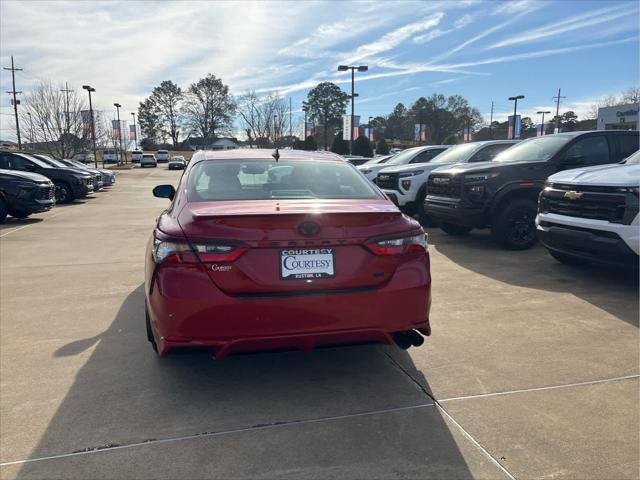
(218, 433)
(466, 434)
(540, 389)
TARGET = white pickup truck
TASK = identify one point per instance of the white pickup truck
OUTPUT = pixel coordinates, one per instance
(591, 214)
(406, 185)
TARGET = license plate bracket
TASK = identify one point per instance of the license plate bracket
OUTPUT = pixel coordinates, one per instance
(307, 263)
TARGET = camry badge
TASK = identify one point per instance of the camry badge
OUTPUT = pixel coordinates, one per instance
(572, 195)
(309, 229)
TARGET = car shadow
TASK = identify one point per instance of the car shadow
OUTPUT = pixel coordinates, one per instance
(124, 394)
(12, 222)
(614, 290)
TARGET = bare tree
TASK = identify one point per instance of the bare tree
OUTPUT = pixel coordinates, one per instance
(52, 119)
(265, 119)
(630, 95)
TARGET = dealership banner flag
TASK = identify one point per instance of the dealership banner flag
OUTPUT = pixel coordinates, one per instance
(466, 135)
(132, 132)
(511, 126)
(419, 132)
(115, 125)
(86, 123)
(542, 130)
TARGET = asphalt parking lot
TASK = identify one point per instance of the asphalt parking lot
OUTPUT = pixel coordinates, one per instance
(532, 370)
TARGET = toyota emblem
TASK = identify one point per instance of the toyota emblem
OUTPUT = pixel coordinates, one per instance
(309, 229)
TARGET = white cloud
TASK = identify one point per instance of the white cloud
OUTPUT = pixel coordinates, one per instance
(463, 21)
(517, 6)
(450, 80)
(584, 20)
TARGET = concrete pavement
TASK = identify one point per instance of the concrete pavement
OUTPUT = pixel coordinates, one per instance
(82, 395)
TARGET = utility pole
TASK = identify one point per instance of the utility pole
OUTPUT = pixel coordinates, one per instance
(66, 91)
(491, 123)
(290, 124)
(558, 97)
(15, 101)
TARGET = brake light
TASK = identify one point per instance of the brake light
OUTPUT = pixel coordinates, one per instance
(399, 246)
(173, 251)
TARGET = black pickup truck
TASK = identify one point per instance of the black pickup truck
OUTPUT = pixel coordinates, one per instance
(24, 193)
(503, 194)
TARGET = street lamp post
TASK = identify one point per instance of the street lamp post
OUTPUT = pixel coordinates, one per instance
(117, 105)
(275, 130)
(90, 89)
(515, 107)
(542, 124)
(135, 132)
(304, 109)
(344, 68)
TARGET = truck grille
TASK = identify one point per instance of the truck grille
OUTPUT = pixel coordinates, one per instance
(595, 203)
(387, 181)
(46, 192)
(444, 185)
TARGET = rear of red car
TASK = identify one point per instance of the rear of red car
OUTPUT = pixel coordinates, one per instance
(258, 254)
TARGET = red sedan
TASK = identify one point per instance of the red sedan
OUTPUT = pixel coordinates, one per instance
(270, 251)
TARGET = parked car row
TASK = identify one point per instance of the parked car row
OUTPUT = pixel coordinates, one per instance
(34, 183)
(148, 159)
(496, 185)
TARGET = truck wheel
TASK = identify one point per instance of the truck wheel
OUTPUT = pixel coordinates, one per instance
(19, 214)
(456, 230)
(424, 219)
(3, 210)
(568, 259)
(64, 194)
(514, 227)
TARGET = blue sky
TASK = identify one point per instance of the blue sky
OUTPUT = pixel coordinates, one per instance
(483, 50)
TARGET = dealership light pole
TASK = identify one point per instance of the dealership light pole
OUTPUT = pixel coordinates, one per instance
(304, 109)
(542, 124)
(135, 132)
(344, 68)
(370, 131)
(117, 105)
(515, 107)
(275, 130)
(90, 89)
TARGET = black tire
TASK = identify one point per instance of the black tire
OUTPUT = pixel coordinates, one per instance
(3, 210)
(19, 214)
(424, 219)
(150, 337)
(455, 230)
(568, 259)
(64, 194)
(514, 226)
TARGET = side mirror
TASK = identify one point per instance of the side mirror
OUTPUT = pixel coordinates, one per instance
(164, 191)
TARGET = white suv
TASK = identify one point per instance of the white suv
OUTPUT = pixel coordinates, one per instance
(406, 157)
(406, 185)
(591, 214)
(163, 156)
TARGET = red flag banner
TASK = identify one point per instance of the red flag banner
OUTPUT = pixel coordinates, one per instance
(115, 125)
(132, 132)
(86, 123)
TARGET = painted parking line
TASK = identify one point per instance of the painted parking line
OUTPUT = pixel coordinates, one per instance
(218, 433)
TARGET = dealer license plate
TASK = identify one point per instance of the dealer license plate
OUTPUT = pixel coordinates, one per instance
(307, 263)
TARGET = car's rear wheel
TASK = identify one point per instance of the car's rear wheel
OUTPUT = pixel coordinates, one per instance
(64, 194)
(150, 336)
(568, 259)
(3, 210)
(452, 229)
(514, 228)
(20, 214)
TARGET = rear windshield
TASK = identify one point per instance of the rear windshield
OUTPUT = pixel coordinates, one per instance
(163, 152)
(148, 155)
(538, 149)
(109, 152)
(267, 179)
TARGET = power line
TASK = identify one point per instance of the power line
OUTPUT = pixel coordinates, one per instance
(15, 100)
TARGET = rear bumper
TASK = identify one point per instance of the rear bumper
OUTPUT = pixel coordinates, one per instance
(451, 210)
(611, 244)
(187, 305)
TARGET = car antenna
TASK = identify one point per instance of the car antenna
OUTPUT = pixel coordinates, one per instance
(276, 154)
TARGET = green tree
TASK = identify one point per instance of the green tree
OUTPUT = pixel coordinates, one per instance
(149, 120)
(362, 147)
(451, 140)
(339, 145)
(166, 100)
(208, 107)
(569, 121)
(310, 144)
(382, 148)
(326, 103)
(298, 144)
(399, 124)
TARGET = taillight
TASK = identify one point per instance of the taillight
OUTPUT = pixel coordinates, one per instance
(179, 251)
(399, 246)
